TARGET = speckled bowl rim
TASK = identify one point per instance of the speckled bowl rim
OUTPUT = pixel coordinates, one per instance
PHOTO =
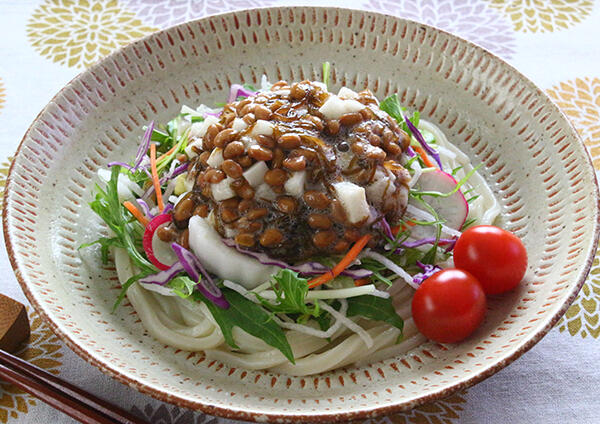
(115, 373)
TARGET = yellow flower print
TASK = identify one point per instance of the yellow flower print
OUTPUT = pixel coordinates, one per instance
(544, 15)
(4, 167)
(579, 99)
(42, 350)
(445, 411)
(79, 33)
(583, 317)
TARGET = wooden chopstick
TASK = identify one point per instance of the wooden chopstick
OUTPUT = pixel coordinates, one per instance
(61, 395)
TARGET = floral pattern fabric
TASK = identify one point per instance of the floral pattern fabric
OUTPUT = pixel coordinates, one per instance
(45, 43)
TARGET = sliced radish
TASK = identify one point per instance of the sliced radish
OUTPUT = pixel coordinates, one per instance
(163, 251)
(454, 208)
(147, 240)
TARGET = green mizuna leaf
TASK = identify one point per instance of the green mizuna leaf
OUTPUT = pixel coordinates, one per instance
(391, 105)
(326, 73)
(251, 318)
(376, 309)
(182, 286)
(128, 232)
(290, 291)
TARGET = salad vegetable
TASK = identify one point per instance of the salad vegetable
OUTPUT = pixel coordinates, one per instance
(293, 208)
(496, 257)
(449, 306)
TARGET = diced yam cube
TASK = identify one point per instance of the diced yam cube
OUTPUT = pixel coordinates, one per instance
(262, 127)
(256, 173)
(198, 129)
(248, 142)
(222, 190)
(334, 107)
(294, 186)
(189, 150)
(265, 192)
(238, 125)
(378, 189)
(346, 93)
(382, 185)
(216, 158)
(320, 84)
(353, 200)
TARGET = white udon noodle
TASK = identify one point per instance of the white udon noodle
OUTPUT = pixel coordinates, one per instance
(189, 326)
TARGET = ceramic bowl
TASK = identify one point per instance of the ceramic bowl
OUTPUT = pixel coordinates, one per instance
(532, 158)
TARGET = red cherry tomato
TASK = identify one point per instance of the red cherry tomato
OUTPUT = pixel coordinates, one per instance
(496, 257)
(448, 306)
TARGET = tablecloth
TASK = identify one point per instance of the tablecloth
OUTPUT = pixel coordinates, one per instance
(43, 44)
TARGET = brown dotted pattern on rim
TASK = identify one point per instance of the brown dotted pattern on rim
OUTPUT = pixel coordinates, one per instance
(118, 344)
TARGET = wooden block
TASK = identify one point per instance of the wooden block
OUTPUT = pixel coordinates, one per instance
(14, 324)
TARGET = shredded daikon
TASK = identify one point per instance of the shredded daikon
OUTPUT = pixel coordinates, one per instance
(347, 322)
(334, 293)
(390, 265)
(301, 328)
(418, 171)
(426, 216)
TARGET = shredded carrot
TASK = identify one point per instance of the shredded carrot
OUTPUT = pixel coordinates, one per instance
(403, 227)
(164, 155)
(155, 179)
(361, 282)
(343, 264)
(136, 213)
(424, 156)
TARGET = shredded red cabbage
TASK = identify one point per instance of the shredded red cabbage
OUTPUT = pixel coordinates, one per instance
(307, 268)
(122, 164)
(428, 271)
(387, 230)
(357, 274)
(163, 277)
(451, 245)
(169, 175)
(410, 152)
(141, 152)
(429, 240)
(145, 208)
(179, 170)
(238, 90)
(415, 131)
(194, 268)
